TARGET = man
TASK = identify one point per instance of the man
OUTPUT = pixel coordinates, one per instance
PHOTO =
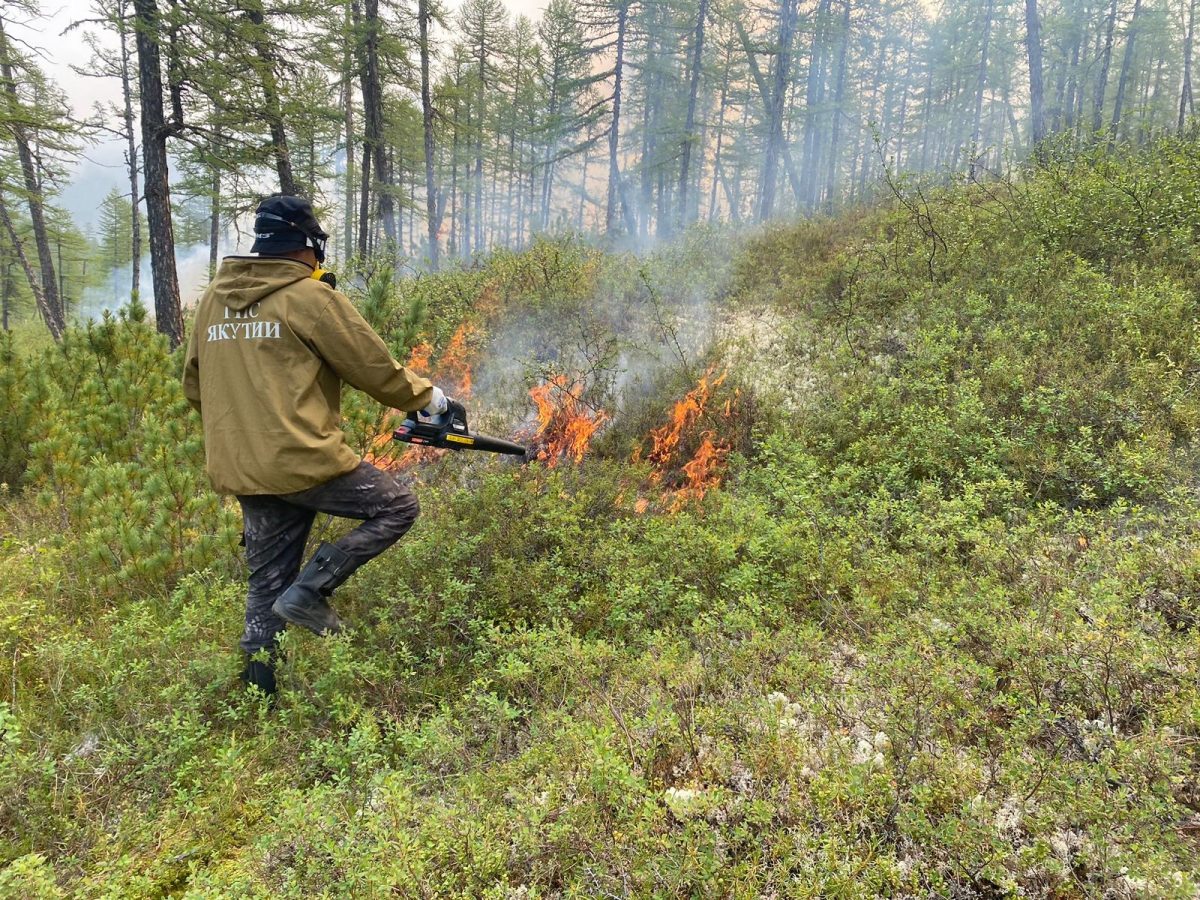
(265, 363)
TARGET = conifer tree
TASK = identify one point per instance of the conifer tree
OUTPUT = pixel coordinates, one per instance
(33, 126)
(115, 230)
(155, 131)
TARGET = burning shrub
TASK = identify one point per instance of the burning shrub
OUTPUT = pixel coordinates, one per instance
(689, 454)
(566, 422)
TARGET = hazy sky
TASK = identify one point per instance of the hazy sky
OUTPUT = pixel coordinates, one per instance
(102, 164)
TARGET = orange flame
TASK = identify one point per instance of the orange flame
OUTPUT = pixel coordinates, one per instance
(455, 366)
(706, 468)
(419, 356)
(565, 423)
(453, 371)
(380, 451)
(665, 440)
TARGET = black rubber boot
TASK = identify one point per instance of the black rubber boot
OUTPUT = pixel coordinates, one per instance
(304, 602)
(260, 675)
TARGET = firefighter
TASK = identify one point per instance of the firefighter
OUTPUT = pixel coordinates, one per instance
(271, 347)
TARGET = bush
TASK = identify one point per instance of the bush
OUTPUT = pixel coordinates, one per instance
(932, 636)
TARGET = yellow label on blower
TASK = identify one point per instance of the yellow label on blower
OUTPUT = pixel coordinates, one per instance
(459, 439)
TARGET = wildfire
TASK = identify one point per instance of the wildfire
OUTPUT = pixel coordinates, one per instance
(381, 451)
(418, 358)
(455, 366)
(565, 423)
(453, 372)
(706, 467)
(665, 440)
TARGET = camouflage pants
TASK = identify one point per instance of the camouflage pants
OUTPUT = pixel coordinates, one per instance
(277, 526)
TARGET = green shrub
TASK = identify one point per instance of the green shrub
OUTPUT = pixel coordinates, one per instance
(933, 636)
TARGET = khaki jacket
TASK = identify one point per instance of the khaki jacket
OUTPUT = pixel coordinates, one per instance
(265, 363)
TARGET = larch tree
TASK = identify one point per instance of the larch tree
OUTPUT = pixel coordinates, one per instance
(31, 127)
(156, 129)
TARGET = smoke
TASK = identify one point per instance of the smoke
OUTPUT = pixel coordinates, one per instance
(191, 266)
(648, 318)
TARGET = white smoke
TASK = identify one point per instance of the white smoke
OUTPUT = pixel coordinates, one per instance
(650, 315)
(191, 265)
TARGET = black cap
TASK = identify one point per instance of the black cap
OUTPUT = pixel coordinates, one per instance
(284, 223)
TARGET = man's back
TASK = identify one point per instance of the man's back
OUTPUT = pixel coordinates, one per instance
(267, 355)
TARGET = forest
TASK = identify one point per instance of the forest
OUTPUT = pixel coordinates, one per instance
(429, 134)
(856, 550)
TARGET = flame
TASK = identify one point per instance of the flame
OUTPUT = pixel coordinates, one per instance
(381, 451)
(489, 303)
(419, 356)
(665, 440)
(453, 372)
(455, 366)
(706, 468)
(386, 454)
(565, 423)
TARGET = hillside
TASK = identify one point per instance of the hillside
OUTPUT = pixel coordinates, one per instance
(861, 558)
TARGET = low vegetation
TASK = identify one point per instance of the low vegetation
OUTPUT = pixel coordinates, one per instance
(923, 622)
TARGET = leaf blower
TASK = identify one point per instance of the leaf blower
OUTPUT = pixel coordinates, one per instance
(449, 430)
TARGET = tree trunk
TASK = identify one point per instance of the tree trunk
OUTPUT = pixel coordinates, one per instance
(650, 87)
(981, 83)
(506, 234)
(838, 97)
(8, 291)
(816, 64)
(765, 93)
(1151, 91)
(452, 247)
(1102, 78)
(50, 315)
(167, 311)
(272, 108)
(551, 147)
(690, 124)
(1073, 86)
(481, 126)
(214, 222)
(926, 130)
(721, 109)
(33, 191)
(904, 88)
(433, 225)
(1080, 89)
(131, 161)
(787, 25)
(1033, 49)
(1126, 65)
(467, 215)
(583, 187)
(1185, 94)
(614, 171)
(372, 94)
(347, 242)
(364, 205)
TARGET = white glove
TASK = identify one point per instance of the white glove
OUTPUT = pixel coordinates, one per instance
(437, 403)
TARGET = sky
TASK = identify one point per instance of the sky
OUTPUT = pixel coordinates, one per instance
(102, 165)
